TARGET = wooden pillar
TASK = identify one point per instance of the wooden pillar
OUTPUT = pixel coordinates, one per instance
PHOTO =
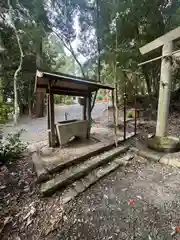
(89, 115)
(135, 102)
(85, 108)
(48, 121)
(164, 91)
(51, 117)
(39, 105)
(124, 116)
(114, 116)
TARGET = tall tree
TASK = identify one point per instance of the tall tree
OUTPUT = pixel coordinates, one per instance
(12, 24)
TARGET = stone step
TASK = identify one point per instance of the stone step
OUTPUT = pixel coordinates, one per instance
(147, 153)
(84, 183)
(94, 152)
(73, 173)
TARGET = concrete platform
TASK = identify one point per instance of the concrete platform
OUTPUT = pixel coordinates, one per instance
(172, 159)
(48, 161)
(72, 154)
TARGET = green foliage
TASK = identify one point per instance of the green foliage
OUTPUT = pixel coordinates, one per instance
(6, 111)
(69, 102)
(124, 27)
(100, 97)
(58, 99)
(63, 99)
(46, 28)
(130, 114)
(11, 148)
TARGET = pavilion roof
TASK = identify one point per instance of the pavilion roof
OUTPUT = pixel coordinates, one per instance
(64, 84)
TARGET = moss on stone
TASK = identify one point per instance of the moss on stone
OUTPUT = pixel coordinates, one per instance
(164, 144)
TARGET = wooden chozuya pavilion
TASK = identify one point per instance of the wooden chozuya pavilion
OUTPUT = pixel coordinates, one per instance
(63, 84)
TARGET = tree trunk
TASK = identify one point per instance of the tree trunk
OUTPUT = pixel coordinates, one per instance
(98, 42)
(29, 107)
(30, 97)
(39, 96)
(16, 106)
(148, 82)
(115, 78)
(115, 95)
(99, 59)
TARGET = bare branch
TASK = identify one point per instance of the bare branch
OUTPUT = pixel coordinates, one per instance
(74, 55)
(71, 50)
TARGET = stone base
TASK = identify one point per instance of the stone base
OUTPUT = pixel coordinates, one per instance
(167, 144)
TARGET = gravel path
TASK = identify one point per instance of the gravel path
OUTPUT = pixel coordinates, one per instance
(103, 211)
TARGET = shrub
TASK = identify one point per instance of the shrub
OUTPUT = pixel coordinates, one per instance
(100, 97)
(5, 111)
(130, 114)
(12, 147)
(58, 99)
(69, 101)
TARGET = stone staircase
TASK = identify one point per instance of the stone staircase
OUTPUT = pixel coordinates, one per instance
(75, 179)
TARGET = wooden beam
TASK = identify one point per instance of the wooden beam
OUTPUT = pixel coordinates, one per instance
(71, 79)
(62, 91)
(151, 60)
(159, 42)
(89, 115)
(51, 116)
(114, 116)
(85, 109)
(160, 57)
(124, 115)
(130, 71)
(71, 93)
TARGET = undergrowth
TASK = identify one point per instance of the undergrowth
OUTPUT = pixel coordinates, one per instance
(11, 148)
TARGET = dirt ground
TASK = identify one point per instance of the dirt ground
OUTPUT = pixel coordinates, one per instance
(102, 212)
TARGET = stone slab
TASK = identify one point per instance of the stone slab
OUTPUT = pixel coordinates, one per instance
(134, 149)
(82, 185)
(59, 162)
(150, 155)
(172, 159)
(75, 172)
(79, 186)
(124, 160)
(41, 172)
(77, 153)
(104, 171)
(147, 153)
(68, 195)
(89, 180)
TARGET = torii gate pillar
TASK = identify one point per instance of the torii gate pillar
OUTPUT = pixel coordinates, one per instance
(166, 42)
(164, 91)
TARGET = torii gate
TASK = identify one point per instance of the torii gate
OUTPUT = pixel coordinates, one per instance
(166, 42)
